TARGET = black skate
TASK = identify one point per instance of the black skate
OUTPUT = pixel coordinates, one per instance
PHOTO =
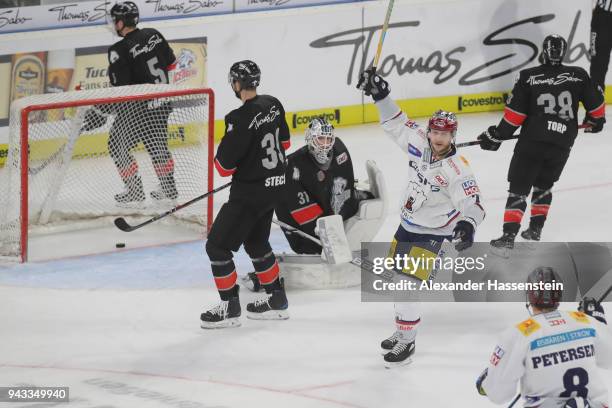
(225, 314)
(532, 234)
(165, 193)
(400, 355)
(503, 245)
(273, 307)
(387, 344)
(251, 281)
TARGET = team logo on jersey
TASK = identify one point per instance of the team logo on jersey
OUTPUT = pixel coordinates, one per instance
(497, 355)
(230, 127)
(470, 187)
(414, 151)
(441, 180)
(320, 175)
(580, 317)
(269, 117)
(148, 47)
(411, 124)
(342, 158)
(296, 174)
(339, 194)
(528, 327)
(464, 160)
(559, 79)
(113, 57)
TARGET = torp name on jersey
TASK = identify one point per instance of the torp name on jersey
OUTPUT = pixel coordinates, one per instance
(269, 118)
(153, 41)
(560, 79)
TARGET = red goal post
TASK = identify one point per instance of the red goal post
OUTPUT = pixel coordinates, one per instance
(48, 184)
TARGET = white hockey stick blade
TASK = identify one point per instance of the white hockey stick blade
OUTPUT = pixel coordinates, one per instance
(333, 239)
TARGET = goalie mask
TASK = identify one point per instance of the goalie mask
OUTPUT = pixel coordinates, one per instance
(320, 140)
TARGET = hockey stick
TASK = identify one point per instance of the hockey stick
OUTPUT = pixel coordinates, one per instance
(515, 400)
(297, 231)
(605, 295)
(383, 34)
(477, 142)
(122, 224)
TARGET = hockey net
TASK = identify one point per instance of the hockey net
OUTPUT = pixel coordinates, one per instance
(71, 153)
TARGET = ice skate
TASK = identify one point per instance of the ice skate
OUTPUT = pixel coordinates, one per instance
(400, 355)
(225, 314)
(272, 307)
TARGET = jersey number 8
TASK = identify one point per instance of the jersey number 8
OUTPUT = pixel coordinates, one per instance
(575, 380)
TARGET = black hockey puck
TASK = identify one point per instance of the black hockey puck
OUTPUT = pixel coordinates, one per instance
(120, 245)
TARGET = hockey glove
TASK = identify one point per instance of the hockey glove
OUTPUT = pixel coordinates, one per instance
(593, 308)
(93, 120)
(480, 380)
(373, 84)
(463, 235)
(594, 125)
(488, 139)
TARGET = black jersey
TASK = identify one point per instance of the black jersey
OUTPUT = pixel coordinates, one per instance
(252, 150)
(141, 57)
(312, 192)
(545, 100)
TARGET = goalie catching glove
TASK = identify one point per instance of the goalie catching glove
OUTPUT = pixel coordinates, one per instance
(593, 308)
(373, 84)
(489, 139)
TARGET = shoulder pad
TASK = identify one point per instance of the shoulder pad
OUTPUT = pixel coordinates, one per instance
(528, 327)
(580, 317)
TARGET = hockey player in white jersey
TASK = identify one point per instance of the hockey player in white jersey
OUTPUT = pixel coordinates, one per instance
(441, 200)
(554, 355)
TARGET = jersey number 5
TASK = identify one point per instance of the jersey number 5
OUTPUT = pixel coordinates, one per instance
(273, 151)
(158, 73)
(550, 103)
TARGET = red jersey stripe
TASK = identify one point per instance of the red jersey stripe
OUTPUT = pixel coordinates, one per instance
(307, 214)
(223, 172)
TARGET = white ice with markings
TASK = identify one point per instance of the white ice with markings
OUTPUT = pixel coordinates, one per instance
(121, 327)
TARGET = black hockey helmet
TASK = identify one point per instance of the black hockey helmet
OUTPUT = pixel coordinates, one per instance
(126, 11)
(554, 48)
(544, 298)
(246, 73)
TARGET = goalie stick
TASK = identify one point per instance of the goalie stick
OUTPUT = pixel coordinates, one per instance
(122, 224)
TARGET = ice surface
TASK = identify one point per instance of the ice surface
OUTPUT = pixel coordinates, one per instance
(122, 328)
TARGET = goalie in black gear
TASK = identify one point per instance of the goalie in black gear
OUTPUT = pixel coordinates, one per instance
(319, 182)
(142, 56)
(544, 103)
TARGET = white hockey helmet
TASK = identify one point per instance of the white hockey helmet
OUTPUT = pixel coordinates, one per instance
(320, 139)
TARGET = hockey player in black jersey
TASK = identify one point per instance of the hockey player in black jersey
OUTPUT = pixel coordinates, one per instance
(142, 56)
(252, 151)
(544, 103)
(319, 182)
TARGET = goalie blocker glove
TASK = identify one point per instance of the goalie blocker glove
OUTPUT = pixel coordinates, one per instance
(593, 308)
(593, 125)
(489, 140)
(373, 84)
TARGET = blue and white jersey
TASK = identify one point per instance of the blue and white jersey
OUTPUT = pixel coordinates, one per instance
(439, 193)
(552, 357)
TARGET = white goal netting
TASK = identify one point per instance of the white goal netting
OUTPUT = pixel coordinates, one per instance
(79, 159)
